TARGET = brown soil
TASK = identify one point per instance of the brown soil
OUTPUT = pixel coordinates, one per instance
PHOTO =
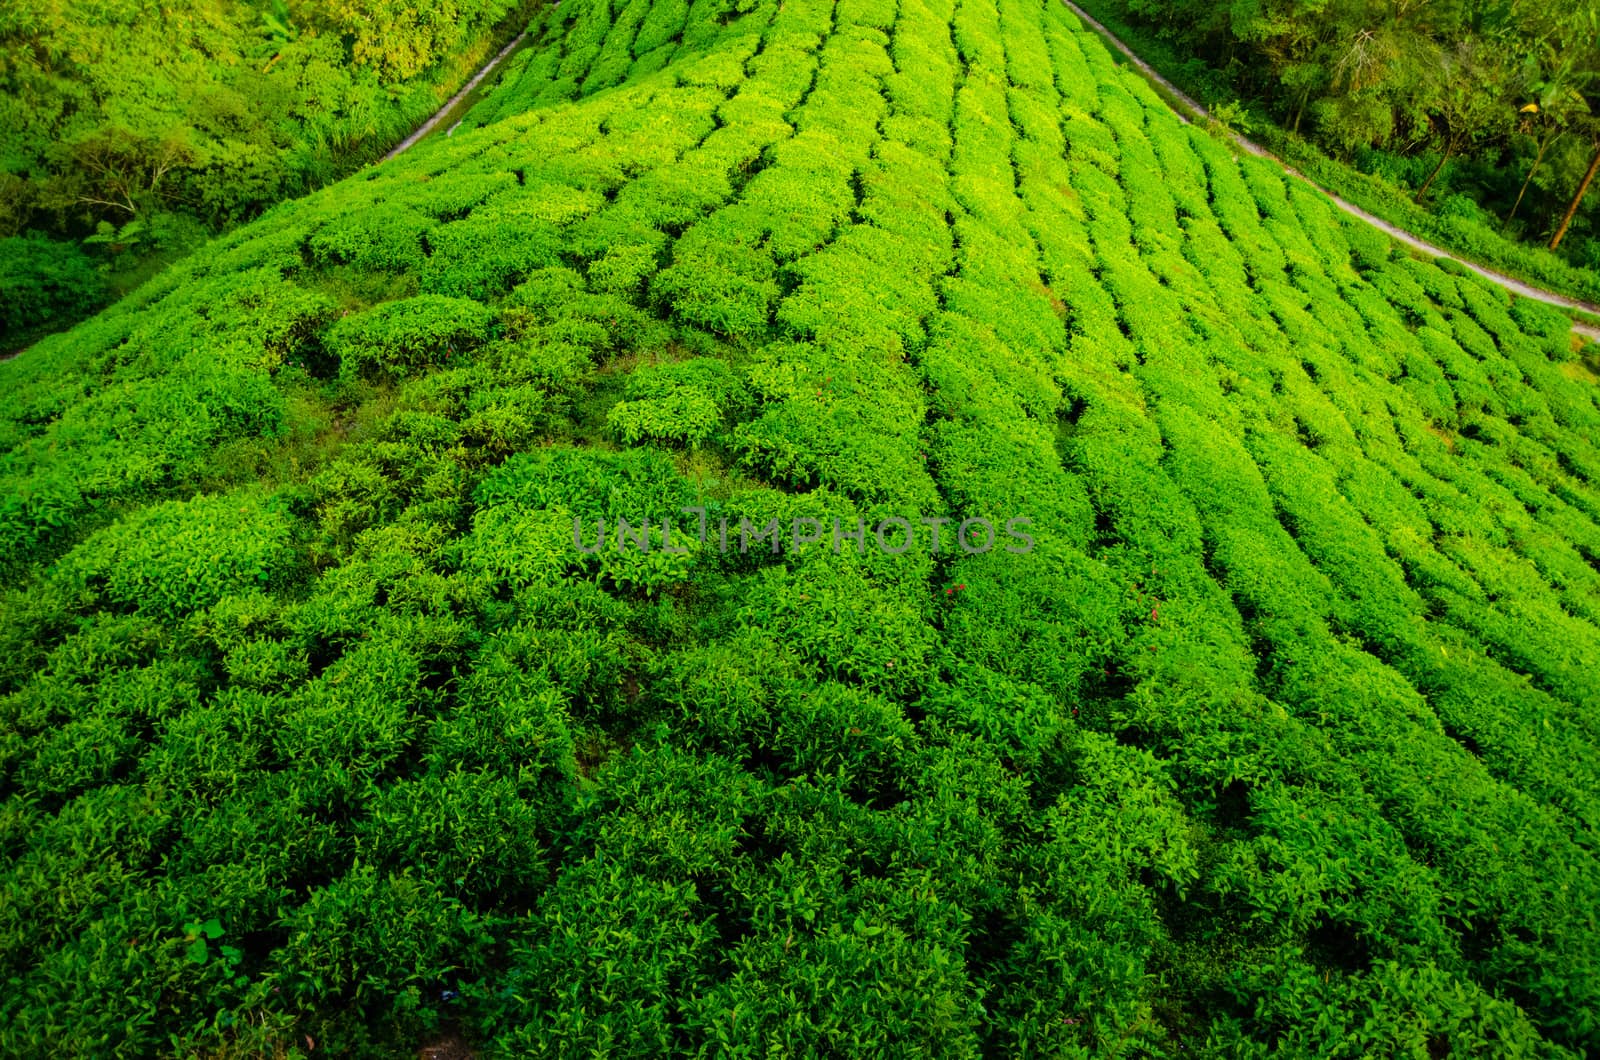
(449, 1046)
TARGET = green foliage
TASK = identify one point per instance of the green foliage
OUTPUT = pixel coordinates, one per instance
(683, 402)
(399, 40)
(404, 338)
(317, 722)
(184, 556)
(44, 284)
(141, 149)
(376, 941)
(1503, 101)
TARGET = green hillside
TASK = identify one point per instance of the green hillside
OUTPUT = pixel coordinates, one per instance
(320, 732)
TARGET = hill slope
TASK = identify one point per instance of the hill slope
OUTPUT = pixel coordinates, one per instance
(1279, 738)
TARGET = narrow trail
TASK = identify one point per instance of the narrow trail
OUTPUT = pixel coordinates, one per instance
(1510, 283)
(439, 115)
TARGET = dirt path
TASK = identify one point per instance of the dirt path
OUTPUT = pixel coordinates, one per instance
(1510, 283)
(439, 115)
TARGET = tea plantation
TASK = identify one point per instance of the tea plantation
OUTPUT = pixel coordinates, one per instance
(320, 734)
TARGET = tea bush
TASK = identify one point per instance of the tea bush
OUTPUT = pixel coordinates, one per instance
(408, 336)
(680, 402)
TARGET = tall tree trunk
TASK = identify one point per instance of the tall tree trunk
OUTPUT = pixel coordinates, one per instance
(1577, 200)
(1422, 192)
(1544, 145)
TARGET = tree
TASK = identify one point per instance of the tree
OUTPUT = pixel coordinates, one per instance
(401, 38)
(1577, 198)
(1292, 36)
(1465, 104)
(124, 172)
(1585, 44)
(1384, 61)
(1547, 118)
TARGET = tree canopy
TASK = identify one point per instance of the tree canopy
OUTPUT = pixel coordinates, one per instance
(137, 124)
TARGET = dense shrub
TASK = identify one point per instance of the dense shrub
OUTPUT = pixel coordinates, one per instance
(407, 337)
(186, 555)
(680, 402)
(43, 285)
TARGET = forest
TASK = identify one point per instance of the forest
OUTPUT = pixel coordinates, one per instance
(321, 734)
(1486, 115)
(131, 130)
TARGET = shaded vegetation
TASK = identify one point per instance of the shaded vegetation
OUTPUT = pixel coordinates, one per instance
(1476, 126)
(135, 129)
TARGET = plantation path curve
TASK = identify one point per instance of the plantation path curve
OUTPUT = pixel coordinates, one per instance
(1510, 283)
(477, 79)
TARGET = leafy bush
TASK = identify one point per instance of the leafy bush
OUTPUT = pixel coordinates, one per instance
(403, 338)
(184, 556)
(683, 402)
